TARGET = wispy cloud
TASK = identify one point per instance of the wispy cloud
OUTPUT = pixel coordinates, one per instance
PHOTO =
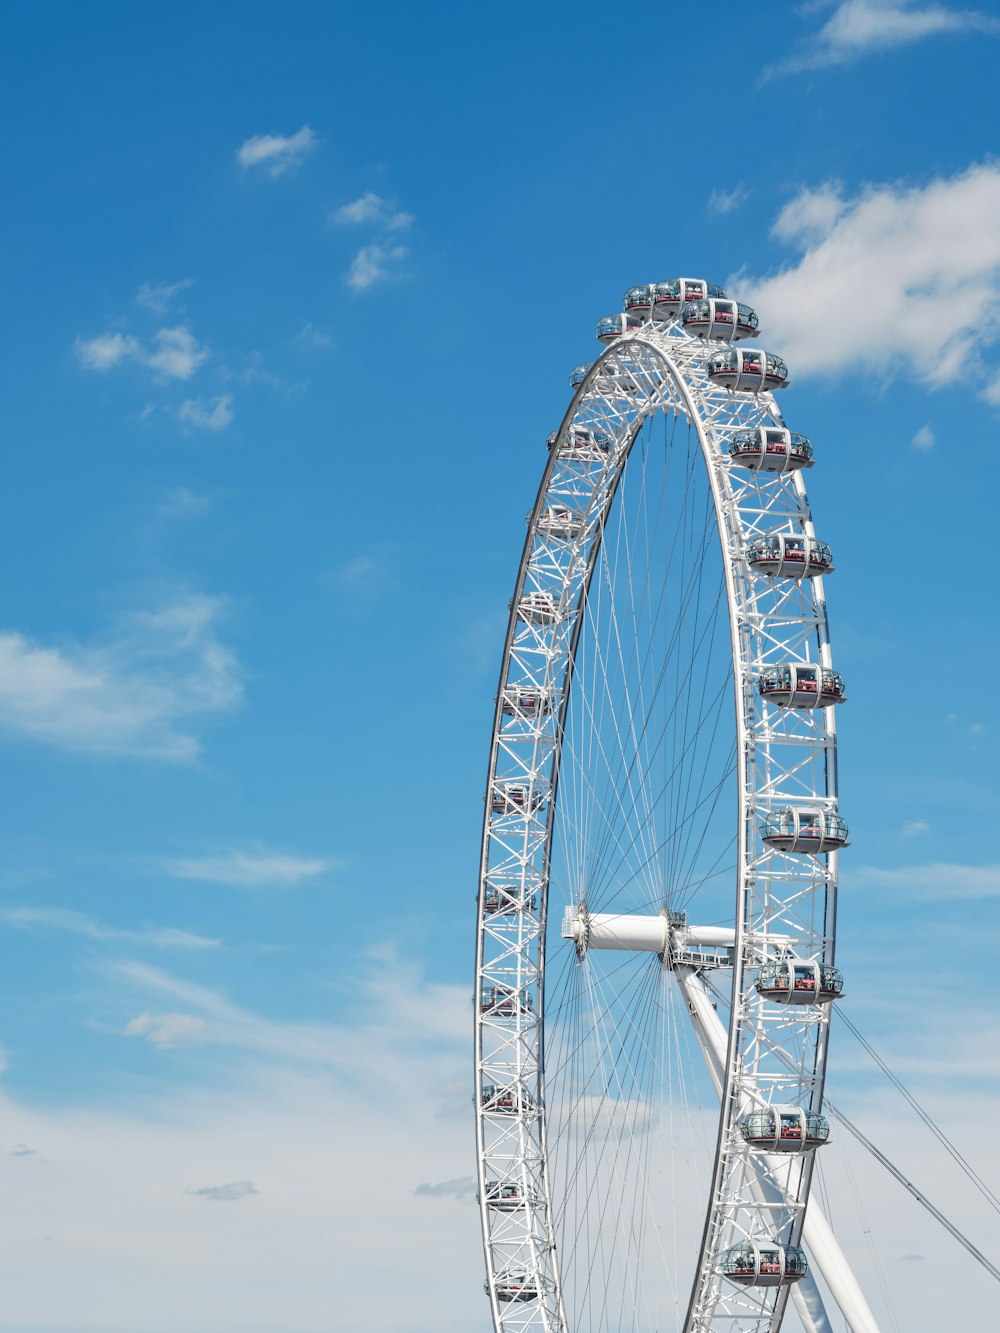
(167, 1031)
(181, 502)
(940, 881)
(859, 28)
(924, 438)
(135, 693)
(78, 923)
(374, 263)
(461, 1188)
(160, 299)
(313, 338)
(249, 868)
(372, 208)
(175, 353)
(276, 153)
(727, 201)
(207, 413)
(235, 1189)
(927, 258)
(914, 827)
(363, 578)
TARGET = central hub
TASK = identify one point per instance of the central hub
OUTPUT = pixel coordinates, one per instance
(663, 933)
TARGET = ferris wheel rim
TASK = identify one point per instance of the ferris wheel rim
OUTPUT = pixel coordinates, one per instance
(614, 356)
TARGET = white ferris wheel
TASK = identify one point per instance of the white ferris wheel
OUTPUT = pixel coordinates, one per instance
(658, 888)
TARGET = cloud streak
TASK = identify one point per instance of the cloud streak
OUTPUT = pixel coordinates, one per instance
(78, 923)
(276, 154)
(174, 354)
(252, 868)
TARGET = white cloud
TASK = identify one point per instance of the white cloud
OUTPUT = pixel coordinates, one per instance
(941, 881)
(859, 28)
(901, 280)
(207, 413)
(256, 868)
(924, 438)
(462, 1187)
(136, 693)
(167, 1031)
(727, 201)
(976, 728)
(160, 299)
(314, 338)
(78, 923)
(374, 263)
(369, 208)
(175, 355)
(363, 577)
(277, 153)
(230, 1193)
(914, 827)
(180, 502)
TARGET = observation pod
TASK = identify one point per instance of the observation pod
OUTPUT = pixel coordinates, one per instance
(638, 301)
(507, 899)
(515, 1287)
(583, 442)
(785, 1129)
(716, 318)
(763, 1264)
(613, 326)
(514, 798)
(506, 1195)
(668, 297)
(799, 981)
(525, 701)
(770, 449)
(505, 1002)
(578, 374)
(801, 685)
(811, 832)
(507, 1101)
(746, 369)
(537, 608)
(789, 556)
(559, 523)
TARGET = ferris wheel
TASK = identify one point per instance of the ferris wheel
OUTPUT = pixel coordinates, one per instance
(657, 905)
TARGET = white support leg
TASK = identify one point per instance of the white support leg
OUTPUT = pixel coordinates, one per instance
(817, 1236)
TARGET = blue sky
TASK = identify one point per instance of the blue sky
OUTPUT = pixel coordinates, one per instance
(290, 301)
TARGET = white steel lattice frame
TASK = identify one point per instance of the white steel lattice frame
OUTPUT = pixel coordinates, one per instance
(785, 756)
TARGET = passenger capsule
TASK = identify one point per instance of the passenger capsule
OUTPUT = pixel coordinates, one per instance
(515, 1287)
(810, 832)
(763, 1263)
(559, 523)
(507, 899)
(505, 1002)
(537, 608)
(799, 981)
(513, 1100)
(746, 369)
(789, 556)
(578, 374)
(613, 326)
(785, 1129)
(638, 301)
(801, 685)
(669, 297)
(514, 798)
(506, 1195)
(525, 701)
(581, 442)
(715, 318)
(770, 449)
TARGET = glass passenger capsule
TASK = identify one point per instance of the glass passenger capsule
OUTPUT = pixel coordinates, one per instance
(801, 685)
(505, 1002)
(582, 442)
(512, 1100)
(537, 608)
(668, 297)
(559, 523)
(746, 369)
(638, 301)
(789, 556)
(785, 1129)
(525, 701)
(578, 374)
(515, 798)
(613, 326)
(808, 831)
(770, 449)
(506, 1195)
(763, 1263)
(507, 899)
(516, 1287)
(716, 318)
(799, 981)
